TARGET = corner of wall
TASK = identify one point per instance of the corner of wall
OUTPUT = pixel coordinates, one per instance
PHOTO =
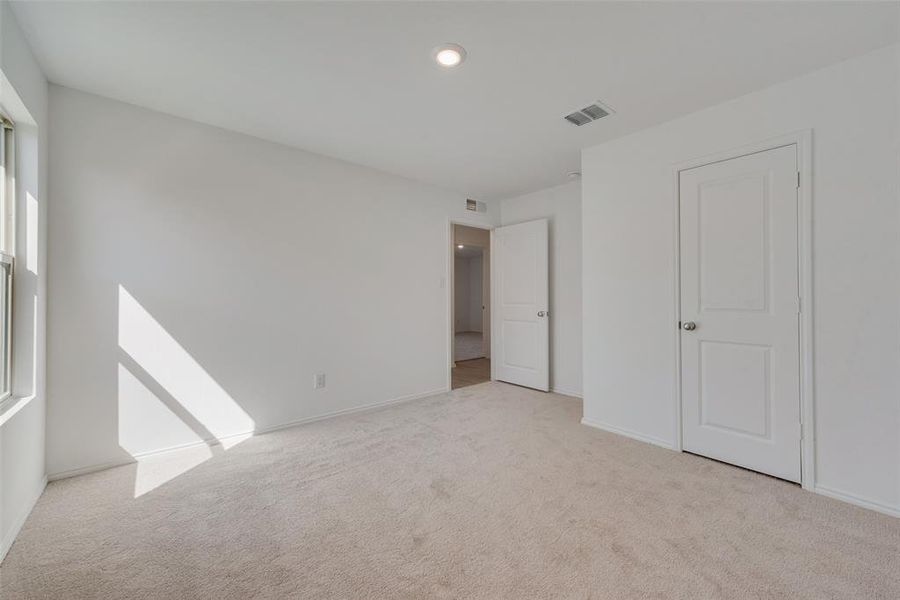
(9, 536)
(24, 96)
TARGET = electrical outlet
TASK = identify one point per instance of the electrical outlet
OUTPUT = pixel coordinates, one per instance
(318, 381)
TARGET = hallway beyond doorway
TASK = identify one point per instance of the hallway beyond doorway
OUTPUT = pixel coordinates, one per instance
(470, 372)
(468, 345)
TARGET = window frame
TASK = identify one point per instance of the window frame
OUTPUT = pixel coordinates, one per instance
(7, 250)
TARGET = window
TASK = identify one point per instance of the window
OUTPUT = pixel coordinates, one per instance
(7, 246)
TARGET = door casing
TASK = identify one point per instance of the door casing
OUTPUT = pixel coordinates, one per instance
(803, 141)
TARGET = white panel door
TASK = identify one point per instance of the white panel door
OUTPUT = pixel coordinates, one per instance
(521, 312)
(740, 346)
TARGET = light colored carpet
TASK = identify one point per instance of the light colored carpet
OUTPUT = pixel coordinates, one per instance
(467, 345)
(491, 491)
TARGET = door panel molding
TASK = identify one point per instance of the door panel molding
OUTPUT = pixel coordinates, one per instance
(764, 356)
(803, 141)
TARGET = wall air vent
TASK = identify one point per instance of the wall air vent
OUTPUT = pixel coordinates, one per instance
(475, 206)
(588, 113)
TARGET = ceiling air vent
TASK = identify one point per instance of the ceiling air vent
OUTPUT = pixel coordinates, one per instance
(594, 111)
(588, 113)
(578, 119)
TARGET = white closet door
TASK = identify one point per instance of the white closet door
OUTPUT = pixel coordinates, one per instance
(740, 312)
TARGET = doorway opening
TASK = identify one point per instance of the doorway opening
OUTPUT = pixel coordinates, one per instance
(471, 315)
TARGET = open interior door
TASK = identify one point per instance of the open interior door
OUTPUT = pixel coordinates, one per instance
(520, 301)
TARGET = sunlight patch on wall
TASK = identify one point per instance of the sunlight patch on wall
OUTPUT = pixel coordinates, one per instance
(176, 371)
(168, 401)
(31, 233)
(146, 424)
(138, 407)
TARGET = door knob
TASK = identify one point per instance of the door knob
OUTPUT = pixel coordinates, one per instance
(689, 326)
(542, 313)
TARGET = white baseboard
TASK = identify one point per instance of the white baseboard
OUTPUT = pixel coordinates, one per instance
(10, 537)
(564, 392)
(257, 431)
(627, 433)
(90, 469)
(350, 411)
(893, 511)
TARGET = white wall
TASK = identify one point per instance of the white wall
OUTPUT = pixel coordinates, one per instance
(201, 277)
(475, 298)
(23, 94)
(461, 293)
(561, 205)
(467, 288)
(629, 224)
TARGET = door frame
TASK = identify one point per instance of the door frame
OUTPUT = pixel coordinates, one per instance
(803, 141)
(451, 325)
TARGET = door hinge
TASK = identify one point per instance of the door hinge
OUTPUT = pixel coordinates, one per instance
(798, 180)
(799, 304)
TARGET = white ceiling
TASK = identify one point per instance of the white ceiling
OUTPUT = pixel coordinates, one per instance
(356, 80)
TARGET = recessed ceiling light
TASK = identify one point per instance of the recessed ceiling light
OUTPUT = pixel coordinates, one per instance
(449, 55)
(460, 246)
